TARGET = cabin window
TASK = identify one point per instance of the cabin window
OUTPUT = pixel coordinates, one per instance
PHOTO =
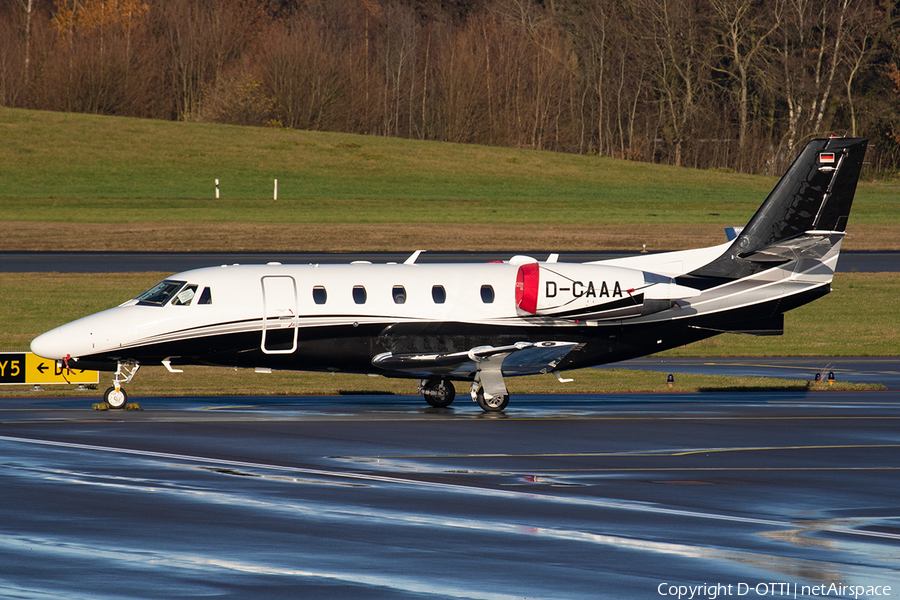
(439, 294)
(399, 293)
(185, 296)
(320, 296)
(487, 294)
(205, 296)
(160, 293)
(359, 294)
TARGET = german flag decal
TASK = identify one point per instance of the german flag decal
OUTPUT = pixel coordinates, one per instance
(826, 158)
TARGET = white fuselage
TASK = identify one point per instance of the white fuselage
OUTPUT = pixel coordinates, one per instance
(276, 307)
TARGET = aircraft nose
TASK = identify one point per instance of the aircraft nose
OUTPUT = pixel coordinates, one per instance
(49, 345)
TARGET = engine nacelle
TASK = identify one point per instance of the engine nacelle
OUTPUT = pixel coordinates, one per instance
(593, 292)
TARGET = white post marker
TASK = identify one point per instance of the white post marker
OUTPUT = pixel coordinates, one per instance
(217, 189)
(276, 189)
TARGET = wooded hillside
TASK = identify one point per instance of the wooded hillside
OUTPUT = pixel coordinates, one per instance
(736, 84)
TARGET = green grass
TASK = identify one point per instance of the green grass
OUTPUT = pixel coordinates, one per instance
(58, 167)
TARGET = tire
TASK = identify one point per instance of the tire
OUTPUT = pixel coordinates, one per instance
(495, 404)
(439, 393)
(115, 399)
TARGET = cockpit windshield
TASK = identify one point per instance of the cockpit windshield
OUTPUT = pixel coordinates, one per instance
(160, 293)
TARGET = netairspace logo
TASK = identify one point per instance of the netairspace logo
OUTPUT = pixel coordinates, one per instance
(712, 591)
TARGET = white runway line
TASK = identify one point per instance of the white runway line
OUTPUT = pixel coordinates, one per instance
(444, 487)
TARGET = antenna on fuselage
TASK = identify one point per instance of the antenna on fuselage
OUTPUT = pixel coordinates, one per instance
(413, 257)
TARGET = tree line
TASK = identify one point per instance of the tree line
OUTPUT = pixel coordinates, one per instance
(733, 84)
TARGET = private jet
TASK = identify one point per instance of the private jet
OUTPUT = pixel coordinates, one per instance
(479, 324)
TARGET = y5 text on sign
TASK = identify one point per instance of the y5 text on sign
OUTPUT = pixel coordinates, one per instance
(26, 368)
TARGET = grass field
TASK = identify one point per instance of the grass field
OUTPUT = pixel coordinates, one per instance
(84, 182)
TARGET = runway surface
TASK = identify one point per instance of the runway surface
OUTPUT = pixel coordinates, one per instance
(174, 262)
(569, 496)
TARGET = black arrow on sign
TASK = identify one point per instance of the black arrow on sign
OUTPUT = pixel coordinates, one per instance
(42, 368)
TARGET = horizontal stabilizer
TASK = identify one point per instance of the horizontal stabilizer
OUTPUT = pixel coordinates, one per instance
(809, 244)
(732, 232)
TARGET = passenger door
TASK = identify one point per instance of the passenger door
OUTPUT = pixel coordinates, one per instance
(279, 330)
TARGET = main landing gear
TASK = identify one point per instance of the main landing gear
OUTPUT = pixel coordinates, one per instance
(438, 391)
(116, 397)
(487, 402)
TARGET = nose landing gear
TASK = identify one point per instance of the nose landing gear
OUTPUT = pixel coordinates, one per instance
(116, 397)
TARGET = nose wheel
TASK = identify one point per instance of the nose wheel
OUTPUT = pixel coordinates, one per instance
(116, 398)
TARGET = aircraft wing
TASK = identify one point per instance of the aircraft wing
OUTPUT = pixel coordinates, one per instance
(521, 358)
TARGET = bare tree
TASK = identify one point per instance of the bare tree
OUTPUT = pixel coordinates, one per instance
(462, 82)
(12, 80)
(867, 27)
(301, 74)
(681, 45)
(397, 44)
(28, 5)
(92, 67)
(203, 38)
(812, 47)
(689, 82)
(745, 29)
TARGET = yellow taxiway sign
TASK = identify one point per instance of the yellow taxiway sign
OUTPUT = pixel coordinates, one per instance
(27, 368)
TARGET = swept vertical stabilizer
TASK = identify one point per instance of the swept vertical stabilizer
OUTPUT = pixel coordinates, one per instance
(804, 215)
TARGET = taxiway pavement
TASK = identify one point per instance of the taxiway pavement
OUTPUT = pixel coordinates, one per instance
(570, 496)
(857, 369)
(173, 262)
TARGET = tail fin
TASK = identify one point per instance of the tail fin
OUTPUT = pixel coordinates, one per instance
(804, 215)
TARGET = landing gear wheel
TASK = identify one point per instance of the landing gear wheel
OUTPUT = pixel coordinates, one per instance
(438, 392)
(115, 399)
(495, 404)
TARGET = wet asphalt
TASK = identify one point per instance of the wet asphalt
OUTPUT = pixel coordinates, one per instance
(560, 496)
